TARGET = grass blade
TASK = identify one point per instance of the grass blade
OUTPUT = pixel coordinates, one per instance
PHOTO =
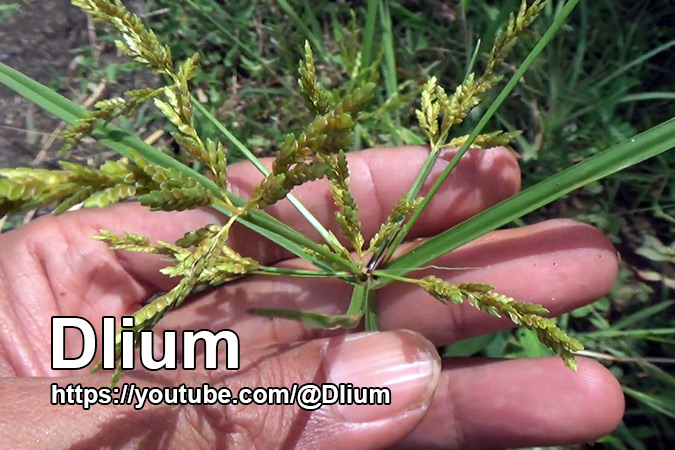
(642, 315)
(369, 33)
(302, 26)
(635, 62)
(663, 405)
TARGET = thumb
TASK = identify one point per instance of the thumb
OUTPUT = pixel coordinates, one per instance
(404, 363)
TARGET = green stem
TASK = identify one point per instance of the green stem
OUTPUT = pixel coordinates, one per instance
(316, 43)
(391, 276)
(414, 191)
(300, 273)
(472, 61)
(358, 301)
(371, 311)
(633, 333)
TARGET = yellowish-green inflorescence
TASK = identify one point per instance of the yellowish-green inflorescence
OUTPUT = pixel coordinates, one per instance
(202, 258)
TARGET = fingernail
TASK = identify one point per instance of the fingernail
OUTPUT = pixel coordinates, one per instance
(402, 361)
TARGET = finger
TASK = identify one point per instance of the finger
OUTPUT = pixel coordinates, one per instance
(379, 178)
(561, 264)
(402, 362)
(519, 403)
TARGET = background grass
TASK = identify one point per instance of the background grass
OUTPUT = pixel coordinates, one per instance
(605, 77)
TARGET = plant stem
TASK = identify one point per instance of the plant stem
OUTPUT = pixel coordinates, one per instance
(391, 276)
(412, 193)
(371, 313)
(300, 273)
(390, 79)
(358, 301)
(290, 11)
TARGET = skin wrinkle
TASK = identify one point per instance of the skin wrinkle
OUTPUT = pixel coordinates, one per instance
(90, 230)
(194, 423)
(7, 369)
(24, 354)
(481, 383)
(250, 427)
(91, 302)
(41, 330)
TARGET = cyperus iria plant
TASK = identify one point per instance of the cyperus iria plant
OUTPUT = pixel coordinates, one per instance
(203, 259)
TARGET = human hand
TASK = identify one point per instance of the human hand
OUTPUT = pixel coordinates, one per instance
(52, 267)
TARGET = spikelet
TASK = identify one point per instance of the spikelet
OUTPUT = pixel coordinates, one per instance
(198, 236)
(314, 95)
(147, 317)
(275, 187)
(300, 159)
(348, 216)
(505, 40)
(313, 154)
(528, 315)
(389, 227)
(428, 115)
(357, 100)
(142, 46)
(20, 187)
(25, 188)
(177, 199)
(324, 135)
(132, 242)
(439, 112)
(106, 110)
(209, 260)
(109, 196)
(137, 42)
(487, 140)
(217, 161)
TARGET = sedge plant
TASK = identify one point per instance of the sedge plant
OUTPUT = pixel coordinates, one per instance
(202, 259)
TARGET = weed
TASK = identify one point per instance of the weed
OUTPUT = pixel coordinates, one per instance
(337, 123)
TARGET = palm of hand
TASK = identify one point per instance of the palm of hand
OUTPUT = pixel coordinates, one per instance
(53, 267)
